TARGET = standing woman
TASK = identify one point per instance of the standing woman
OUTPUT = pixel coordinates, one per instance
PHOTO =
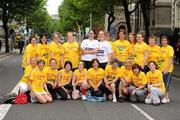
(38, 86)
(166, 65)
(71, 51)
(105, 51)
(52, 77)
(79, 80)
(57, 50)
(138, 89)
(140, 51)
(64, 81)
(132, 41)
(154, 51)
(95, 79)
(43, 51)
(89, 48)
(120, 48)
(156, 86)
(29, 52)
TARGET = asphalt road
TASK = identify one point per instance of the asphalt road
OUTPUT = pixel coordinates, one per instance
(10, 74)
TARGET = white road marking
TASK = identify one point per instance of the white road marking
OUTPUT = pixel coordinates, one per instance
(5, 107)
(142, 112)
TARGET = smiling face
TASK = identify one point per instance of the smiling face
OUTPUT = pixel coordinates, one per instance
(68, 67)
(164, 41)
(101, 35)
(121, 36)
(152, 66)
(152, 41)
(128, 64)
(91, 35)
(80, 65)
(70, 37)
(56, 38)
(33, 62)
(131, 38)
(41, 65)
(53, 64)
(114, 65)
(33, 41)
(136, 71)
(43, 40)
(139, 38)
(95, 64)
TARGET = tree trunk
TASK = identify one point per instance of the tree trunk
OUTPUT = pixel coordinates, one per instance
(111, 19)
(127, 15)
(5, 27)
(144, 8)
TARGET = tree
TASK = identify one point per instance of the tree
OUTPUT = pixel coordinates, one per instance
(145, 6)
(12, 8)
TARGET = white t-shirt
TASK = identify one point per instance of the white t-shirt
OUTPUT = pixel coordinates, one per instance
(104, 49)
(89, 45)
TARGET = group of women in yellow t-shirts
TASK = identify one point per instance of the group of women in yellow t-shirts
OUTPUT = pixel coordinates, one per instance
(115, 70)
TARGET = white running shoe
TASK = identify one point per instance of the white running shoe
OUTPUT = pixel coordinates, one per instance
(114, 99)
(68, 96)
(167, 100)
(83, 97)
(164, 100)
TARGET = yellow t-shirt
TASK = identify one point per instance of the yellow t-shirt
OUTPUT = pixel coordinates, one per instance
(95, 76)
(72, 53)
(43, 52)
(65, 77)
(120, 49)
(125, 73)
(155, 78)
(131, 52)
(111, 73)
(38, 79)
(139, 50)
(27, 72)
(30, 52)
(57, 50)
(80, 76)
(154, 53)
(139, 80)
(52, 74)
(166, 53)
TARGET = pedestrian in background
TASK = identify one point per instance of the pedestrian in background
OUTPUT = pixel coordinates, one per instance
(21, 45)
(177, 51)
(0, 45)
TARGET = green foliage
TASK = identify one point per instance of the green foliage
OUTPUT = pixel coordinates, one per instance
(73, 12)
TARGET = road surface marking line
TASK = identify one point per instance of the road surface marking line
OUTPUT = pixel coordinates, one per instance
(142, 112)
(4, 108)
(1, 59)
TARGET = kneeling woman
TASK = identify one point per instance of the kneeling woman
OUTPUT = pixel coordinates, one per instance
(138, 90)
(156, 85)
(79, 81)
(52, 77)
(95, 79)
(64, 81)
(38, 86)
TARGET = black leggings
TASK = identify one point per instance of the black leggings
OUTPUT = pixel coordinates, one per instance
(99, 93)
(62, 92)
(87, 64)
(52, 91)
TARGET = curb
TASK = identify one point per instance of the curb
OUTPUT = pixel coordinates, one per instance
(177, 76)
(6, 54)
